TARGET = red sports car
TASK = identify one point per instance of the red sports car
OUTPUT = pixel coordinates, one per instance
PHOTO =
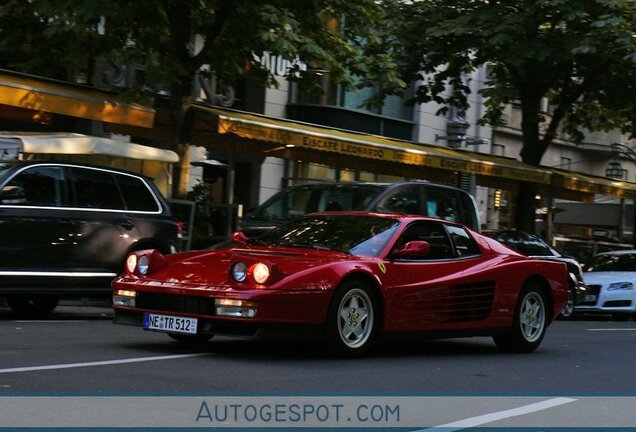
(352, 276)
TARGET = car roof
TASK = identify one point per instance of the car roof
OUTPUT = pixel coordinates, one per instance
(386, 185)
(15, 165)
(394, 216)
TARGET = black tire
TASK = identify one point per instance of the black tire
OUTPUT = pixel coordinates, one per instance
(32, 305)
(568, 310)
(355, 301)
(530, 322)
(192, 339)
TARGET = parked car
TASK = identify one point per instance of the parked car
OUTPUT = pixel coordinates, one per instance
(349, 276)
(66, 229)
(535, 247)
(611, 278)
(414, 197)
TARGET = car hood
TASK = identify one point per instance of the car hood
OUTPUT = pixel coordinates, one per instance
(213, 267)
(607, 277)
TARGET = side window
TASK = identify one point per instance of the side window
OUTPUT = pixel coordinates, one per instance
(433, 233)
(289, 204)
(442, 203)
(137, 195)
(404, 200)
(464, 243)
(96, 189)
(38, 186)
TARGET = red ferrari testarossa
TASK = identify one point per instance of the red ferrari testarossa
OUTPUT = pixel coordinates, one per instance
(352, 276)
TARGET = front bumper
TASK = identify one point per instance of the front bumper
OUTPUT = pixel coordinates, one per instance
(240, 328)
(620, 301)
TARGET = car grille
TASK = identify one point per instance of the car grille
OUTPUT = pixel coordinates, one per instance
(456, 303)
(617, 303)
(594, 290)
(175, 303)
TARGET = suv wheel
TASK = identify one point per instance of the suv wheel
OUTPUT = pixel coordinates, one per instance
(32, 305)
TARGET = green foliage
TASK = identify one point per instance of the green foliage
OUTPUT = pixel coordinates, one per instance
(580, 54)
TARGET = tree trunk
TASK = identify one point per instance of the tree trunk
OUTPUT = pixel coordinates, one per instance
(531, 153)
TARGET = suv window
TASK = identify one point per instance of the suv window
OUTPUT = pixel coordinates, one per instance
(442, 203)
(136, 194)
(404, 200)
(37, 186)
(96, 189)
(288, 205)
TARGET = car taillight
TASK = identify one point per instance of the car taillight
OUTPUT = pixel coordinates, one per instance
(179, 229)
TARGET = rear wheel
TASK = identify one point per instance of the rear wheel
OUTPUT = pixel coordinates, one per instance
(32, 305)
(353, 319)
(530, 322)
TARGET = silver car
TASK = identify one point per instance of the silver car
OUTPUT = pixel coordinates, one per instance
(612, 285)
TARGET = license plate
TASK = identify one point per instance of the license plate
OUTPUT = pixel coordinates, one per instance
(171, 324)
(590, 297)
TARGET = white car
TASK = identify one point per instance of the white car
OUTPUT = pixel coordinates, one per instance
(611, 281)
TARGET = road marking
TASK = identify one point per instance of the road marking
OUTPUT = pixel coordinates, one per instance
(100, 363)
(612, 329)
(500, 415)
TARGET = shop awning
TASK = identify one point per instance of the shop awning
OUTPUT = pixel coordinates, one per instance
(291, 134)
(78, 144)
(311, 137)
(77, 101)
(594, 185)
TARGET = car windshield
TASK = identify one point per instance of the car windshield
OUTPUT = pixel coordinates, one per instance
(617, 262)
(356, 235)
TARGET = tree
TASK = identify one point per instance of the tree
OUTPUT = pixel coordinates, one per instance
(337, 35)
(579, 54)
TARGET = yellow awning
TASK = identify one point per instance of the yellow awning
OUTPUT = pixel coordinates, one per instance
(289, 133)
(591, 184)
(311, 137)
(67, 99)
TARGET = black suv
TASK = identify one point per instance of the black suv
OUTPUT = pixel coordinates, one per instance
(66, 229)
(414, 197)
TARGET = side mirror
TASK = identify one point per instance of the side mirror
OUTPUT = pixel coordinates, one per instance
(415, 248)
(239, 237)
(12, 195)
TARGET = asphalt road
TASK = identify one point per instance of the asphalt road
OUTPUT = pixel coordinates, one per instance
(79, 354)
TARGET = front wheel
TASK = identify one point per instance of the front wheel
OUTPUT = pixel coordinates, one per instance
(530, 322)
(353, 319)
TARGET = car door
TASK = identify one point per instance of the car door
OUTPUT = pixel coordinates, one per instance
(37, 231)
(106, 230)
(438, 290)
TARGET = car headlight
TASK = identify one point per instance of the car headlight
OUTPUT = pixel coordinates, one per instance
(131, 263)
(616, 286)
(143, 263)
(260, 273)
(239, 271)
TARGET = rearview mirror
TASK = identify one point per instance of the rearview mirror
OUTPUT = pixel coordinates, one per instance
(415, 248)
(12, 195)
